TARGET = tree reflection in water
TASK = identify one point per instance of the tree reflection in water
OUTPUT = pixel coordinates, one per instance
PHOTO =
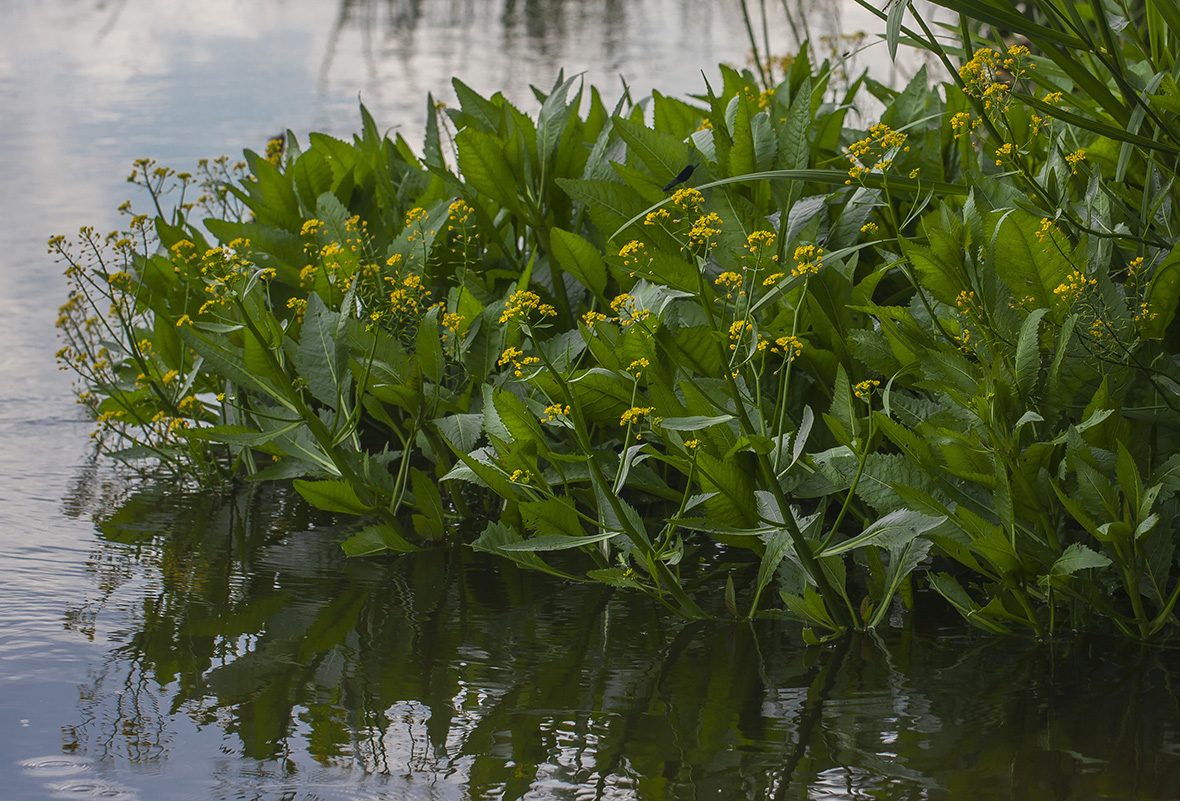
(442, 669)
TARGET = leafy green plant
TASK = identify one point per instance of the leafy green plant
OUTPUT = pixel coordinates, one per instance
(815, 366)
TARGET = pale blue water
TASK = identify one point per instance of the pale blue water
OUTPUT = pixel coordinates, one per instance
(156, 644)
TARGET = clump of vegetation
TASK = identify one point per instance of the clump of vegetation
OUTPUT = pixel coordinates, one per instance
(830, 361)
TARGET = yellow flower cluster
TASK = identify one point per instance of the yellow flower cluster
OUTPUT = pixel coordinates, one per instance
(989, 76)
(523, 304)
(635, 415)
(875, 152)
(789, 346)
(634, 255)
(636, 367)
(864, 389)
(688, 199)
(1073, 286)
(553, 412)
(1075, 158)
(705, 228)
(514, 356)
(808, 260)
(628, 311)
(760, 240)
(736, 329)
(730, 280)
(408, 296)
(592, 318)
(657, 217)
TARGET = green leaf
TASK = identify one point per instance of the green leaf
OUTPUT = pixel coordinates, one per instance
(694, 422)
(894, 529)
(776, 549)
(1030, 267)
(554, 116)
(903, 560)
(1163, 296)
(557, 542)
(662, 153)
(484, 167)
(1028, 351)
(1129, 478)
(553, 516)
(319, 359)
(333, 496)
(580, 259)
(893, 26)
(1077, 557)
(497, 539)
(461, 430)
(428, 347)
(374, 540)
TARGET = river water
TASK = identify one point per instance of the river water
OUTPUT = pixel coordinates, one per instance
(160, 644)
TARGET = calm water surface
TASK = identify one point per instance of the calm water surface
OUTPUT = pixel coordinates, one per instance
(157, 644)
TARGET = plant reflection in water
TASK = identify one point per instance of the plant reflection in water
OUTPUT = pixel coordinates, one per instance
(437, 668)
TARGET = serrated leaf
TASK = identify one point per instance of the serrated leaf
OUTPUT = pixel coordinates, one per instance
(1028, 351)
(319, 357)
(552, 516)
(892, 530)
(1077, 557)
(461, 430)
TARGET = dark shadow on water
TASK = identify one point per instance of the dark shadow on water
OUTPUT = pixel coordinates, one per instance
(442, 667)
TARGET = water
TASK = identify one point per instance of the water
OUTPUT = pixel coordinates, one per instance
(159, 644)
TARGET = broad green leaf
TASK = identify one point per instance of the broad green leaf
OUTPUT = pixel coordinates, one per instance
(461, 430)
(1163, 296)
(552, 516)
(484, 168)
(1077, 557)
(694, 422)
(893, 530)
(580, 259)
(903, 560)
(553, 118)
(662, 153)
(319, 359)
(1028, 351)
(333, 496)
(428, 347)
(1030, 261)
(374, 540)
(772, 557)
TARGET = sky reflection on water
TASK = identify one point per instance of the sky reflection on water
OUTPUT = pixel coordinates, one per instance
(160, 645)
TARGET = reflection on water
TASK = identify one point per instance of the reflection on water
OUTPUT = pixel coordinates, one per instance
(441, 676)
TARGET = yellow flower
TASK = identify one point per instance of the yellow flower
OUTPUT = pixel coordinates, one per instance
(636, 367)
(657, 217)
(730, 280)
(522, 304)
(510, 355)
(688, 199)
(759, 240)
(591, 318)
(864, 389)
(809, 259)
(1075, 158)
(635, 414)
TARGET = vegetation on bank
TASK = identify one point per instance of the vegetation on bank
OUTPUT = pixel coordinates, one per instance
(831, 362)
